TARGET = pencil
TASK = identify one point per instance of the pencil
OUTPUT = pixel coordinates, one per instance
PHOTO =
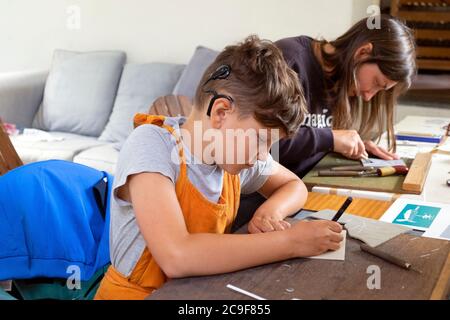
(344, 207)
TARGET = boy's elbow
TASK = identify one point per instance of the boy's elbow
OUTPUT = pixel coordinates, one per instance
(302, 187)
(173, 264)
(299, 188)
(297, 185)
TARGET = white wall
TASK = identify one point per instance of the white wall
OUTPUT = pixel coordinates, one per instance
(158, 30)
(360, 8)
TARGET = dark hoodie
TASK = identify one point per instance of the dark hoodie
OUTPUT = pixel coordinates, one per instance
(314, 139)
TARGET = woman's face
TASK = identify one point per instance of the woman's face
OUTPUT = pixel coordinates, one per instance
(369, 81)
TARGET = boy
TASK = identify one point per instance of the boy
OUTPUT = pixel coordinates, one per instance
(179, 180)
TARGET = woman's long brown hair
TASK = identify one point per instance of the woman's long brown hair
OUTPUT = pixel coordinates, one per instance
(394, 53)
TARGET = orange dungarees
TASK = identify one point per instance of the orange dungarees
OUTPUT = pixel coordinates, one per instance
(200, 215)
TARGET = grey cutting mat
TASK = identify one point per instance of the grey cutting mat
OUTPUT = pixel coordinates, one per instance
(370, 231)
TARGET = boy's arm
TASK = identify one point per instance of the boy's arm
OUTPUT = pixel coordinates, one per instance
(286, 194)
(182, 254)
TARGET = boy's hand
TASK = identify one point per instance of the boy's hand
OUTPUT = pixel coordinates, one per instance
(267, 223)
(312, 238)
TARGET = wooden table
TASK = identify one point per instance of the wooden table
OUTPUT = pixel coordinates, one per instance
(319, 279)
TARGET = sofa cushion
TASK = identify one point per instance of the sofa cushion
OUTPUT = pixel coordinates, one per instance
(193, 73)
(102, 158)
(139, 86)
(30, 150)
(80, 92)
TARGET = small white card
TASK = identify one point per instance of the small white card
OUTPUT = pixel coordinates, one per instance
(334, 255)
(416, 214)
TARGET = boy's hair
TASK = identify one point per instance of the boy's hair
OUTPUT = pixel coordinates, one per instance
(260, 82)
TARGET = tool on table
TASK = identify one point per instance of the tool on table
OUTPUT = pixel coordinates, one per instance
(358, 167)
(360, 171)
(245, 292)
(387, 257)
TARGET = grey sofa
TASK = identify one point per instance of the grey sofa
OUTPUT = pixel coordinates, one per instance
(86, 102)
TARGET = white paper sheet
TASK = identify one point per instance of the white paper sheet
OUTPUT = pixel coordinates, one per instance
(422, 125)
(334, 255)
(440, 229)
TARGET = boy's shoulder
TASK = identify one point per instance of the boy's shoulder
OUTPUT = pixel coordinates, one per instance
(150, 133)
(148, 138)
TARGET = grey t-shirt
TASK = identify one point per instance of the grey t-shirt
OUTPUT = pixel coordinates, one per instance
(150, 148)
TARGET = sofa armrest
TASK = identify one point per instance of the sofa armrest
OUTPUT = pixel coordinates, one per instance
(21, 95)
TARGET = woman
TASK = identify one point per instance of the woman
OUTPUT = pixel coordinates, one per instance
(350, 86)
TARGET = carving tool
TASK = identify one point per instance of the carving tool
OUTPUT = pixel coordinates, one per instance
(366, 172)
(387, 257)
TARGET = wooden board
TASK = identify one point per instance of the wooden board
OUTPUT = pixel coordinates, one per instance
(367, 208)
(319, 279)
(418, 172)
(392, 184)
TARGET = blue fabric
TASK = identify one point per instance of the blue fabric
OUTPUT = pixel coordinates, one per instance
(50, 220)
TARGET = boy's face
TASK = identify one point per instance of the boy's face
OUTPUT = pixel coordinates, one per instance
(240, 141)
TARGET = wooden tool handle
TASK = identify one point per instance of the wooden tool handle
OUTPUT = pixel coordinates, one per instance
(389, 171)
(385, 256)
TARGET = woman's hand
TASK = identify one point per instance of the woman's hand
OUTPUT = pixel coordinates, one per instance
(311, 238)
(379, 152)
(267, 222)
(349, 144)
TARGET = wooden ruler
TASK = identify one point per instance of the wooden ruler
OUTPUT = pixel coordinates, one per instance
(418, 173)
